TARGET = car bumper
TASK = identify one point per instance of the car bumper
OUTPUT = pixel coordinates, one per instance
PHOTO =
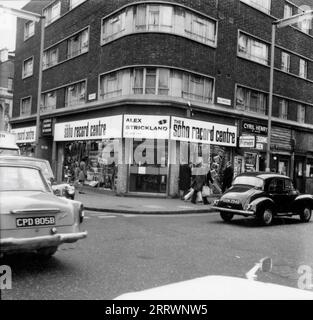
(234, 211)
(29, 244)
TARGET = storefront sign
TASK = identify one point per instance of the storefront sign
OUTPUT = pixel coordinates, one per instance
(247, 142)
(90, 129)
(255, 128)
(203, 132)
(46, 127)
(25, 135)
(146, 127)
(226, 102)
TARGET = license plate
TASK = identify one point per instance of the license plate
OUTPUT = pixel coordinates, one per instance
(35, 222)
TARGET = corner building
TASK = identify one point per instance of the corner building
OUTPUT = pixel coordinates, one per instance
(133, 89)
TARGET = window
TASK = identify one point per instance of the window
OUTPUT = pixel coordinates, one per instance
(263, 5)
(52, 13)
(157, 81)
(285, 61)
(289, 186)
(251, 100)
(28, 67)
(78, 44)
(253, 49)
(303, 68)
(301, 113)
(161, 18)
(48, 101)
(75, 3)
(75, 94)
(29, 29)
(25, 108)
(10, 84)
(288, 11)
(50, 58)
(283, 109)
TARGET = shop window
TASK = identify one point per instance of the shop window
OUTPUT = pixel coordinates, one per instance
(75, 94)
(251, 100)
(52, 13)
(28, 67)
(48, 102)
(299, 169)
(78, 44)
(29, 29)
(253, 49)
(50, 58)
(285, 61)
(309, 168)
(25, 109)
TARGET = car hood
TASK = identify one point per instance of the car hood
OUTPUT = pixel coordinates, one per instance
(21, 200)
(219, 288)
(241, 193)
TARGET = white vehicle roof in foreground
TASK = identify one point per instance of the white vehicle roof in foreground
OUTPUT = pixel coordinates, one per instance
(219, 288)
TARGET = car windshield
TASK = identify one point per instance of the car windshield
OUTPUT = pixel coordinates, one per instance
(21, 179)
(250, 181)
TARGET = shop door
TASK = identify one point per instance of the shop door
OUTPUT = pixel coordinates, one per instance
(149, 166)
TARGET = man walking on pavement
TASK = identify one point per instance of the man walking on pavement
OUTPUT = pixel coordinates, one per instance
(228, 176)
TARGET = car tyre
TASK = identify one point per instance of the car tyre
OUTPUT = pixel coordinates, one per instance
(46, 253)
(306, 214)
(226, 216)
(266, 216)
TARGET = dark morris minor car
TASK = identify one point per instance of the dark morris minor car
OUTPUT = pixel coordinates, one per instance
(32, 218)
(264, 196)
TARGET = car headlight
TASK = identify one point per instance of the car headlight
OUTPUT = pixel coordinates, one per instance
(247, 206)
(215, 202)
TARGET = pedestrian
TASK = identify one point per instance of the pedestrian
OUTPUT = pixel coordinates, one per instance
(81, 176)
(228, 176)
(206, 189)
(214, 176)
(198, 183)
(184, 179)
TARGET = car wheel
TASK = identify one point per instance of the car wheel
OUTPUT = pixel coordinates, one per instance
(266, 216)
(226, 216)
(46, 253)
(305, 215)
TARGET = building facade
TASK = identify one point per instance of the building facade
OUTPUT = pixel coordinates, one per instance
(133, 89)
(6, 88)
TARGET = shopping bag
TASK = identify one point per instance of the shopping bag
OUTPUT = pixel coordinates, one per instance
(206, 191)
(199, 196)
(189, 194)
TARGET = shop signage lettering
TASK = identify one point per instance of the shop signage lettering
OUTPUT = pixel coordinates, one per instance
(254, 128)
(92, 129)
(25, 135)
(203, 132)
(47, 127)
(247, 142)
(146, 127)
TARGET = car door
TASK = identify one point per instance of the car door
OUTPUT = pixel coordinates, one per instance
(277, 193)
(291, 195)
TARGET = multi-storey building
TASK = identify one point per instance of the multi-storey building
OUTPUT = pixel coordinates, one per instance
(135, 88)
(6, 88)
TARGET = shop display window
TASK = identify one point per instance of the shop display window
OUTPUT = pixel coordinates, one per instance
(309, 168)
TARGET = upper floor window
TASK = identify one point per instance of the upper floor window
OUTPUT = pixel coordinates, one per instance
(75, 94)
(251, 100)
(157, 81)
(75, 3)
(303, 68)
(78, 44)
(29, 29)
(28, 67)
(288, 10)
(48, 101)
(160, 18)
(301, 113)
(10, 84)
(26, 106)
(52, 13)
(283, 109)
(50, 57)
(285, 61)
(263, 5)
(253, 49)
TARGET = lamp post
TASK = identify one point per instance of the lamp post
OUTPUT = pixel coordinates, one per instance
(276, 25)
(35, 17)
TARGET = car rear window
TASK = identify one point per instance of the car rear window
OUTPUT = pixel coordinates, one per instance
(21, 179)
(249, 181)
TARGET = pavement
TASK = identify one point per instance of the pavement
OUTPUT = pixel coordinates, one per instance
(108, 201)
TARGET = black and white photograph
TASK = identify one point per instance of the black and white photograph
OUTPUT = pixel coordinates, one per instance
(158, 151)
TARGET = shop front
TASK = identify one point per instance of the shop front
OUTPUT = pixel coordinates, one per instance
(26, 140)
